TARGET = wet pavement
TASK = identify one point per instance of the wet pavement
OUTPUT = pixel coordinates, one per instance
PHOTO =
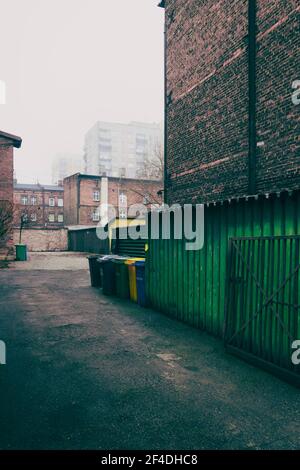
(85, 371)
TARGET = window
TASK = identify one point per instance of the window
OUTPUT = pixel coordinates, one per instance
(33, 200)
(122, 198)
(60, 202)
(24, 200)
(96, 195)
(96, 216)
(51, 218)
(122, 172)
(60, 218)
(123, 214)
(51, 201)
(33, 217)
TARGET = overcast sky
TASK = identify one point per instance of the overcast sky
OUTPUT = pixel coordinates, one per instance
(69, 63)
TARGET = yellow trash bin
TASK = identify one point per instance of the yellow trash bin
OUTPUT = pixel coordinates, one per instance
(132, 277)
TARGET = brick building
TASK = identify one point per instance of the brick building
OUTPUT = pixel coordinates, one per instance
(7, 144)
(231, 125)
(43, 204)
(84, 193)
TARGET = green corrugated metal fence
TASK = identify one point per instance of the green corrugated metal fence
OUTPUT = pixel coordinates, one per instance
(190, 285)
(262, 318)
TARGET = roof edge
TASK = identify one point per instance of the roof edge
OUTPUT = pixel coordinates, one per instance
(17, 141)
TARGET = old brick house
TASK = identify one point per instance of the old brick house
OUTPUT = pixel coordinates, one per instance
(42, 204)
(84, 193)
(232, 128)
(7, 144)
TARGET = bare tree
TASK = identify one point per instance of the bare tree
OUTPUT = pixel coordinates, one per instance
(6, 219)
(153, 167)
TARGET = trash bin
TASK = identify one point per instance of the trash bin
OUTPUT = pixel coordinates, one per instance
(132, 277)
(21, 252)
(121, 277)
(107, 269)
(140, 282)
(94, 271)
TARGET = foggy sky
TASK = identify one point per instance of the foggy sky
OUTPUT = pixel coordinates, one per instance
(69, 63)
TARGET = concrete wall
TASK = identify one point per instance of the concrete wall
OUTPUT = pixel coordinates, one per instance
(208, 104)
(43, 240)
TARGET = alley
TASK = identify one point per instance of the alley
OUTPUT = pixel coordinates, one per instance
(86, 371)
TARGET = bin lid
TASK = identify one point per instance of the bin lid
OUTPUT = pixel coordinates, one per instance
(105, 258)
(141, 264)
(119, 260)
(133, 260)
(92, 257)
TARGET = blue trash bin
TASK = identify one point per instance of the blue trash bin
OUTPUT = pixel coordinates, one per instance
(140, 282)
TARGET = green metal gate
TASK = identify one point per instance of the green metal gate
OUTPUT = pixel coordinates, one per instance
(262, 318)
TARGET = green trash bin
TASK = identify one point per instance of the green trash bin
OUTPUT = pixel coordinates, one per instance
(121, 278)
(21, 252)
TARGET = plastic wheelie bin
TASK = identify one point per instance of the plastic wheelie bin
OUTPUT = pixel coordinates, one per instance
(94, 271)
(140, 282)
(132, 277)
(107, 270)
(21, 252)
(121, 277)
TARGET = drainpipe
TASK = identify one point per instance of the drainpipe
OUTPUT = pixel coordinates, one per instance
(252, 53)
(165, 176)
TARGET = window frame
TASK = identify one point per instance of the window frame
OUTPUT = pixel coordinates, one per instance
(96, 191)
(96, 216)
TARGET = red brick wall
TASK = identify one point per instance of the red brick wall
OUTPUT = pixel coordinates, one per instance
(278, 161)
(207, 88)
(6, 172)
(70, 200)
(6, 189)
(133, 189)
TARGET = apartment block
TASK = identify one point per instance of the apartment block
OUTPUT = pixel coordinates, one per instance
(43, 205)
(122, 150)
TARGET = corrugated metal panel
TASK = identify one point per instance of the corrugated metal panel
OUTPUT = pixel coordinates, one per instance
(86, 241)
(190, 286)
(262, 309)
(126, 246)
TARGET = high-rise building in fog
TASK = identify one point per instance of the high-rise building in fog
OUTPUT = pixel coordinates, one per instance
(66, 164)
(122, 150)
